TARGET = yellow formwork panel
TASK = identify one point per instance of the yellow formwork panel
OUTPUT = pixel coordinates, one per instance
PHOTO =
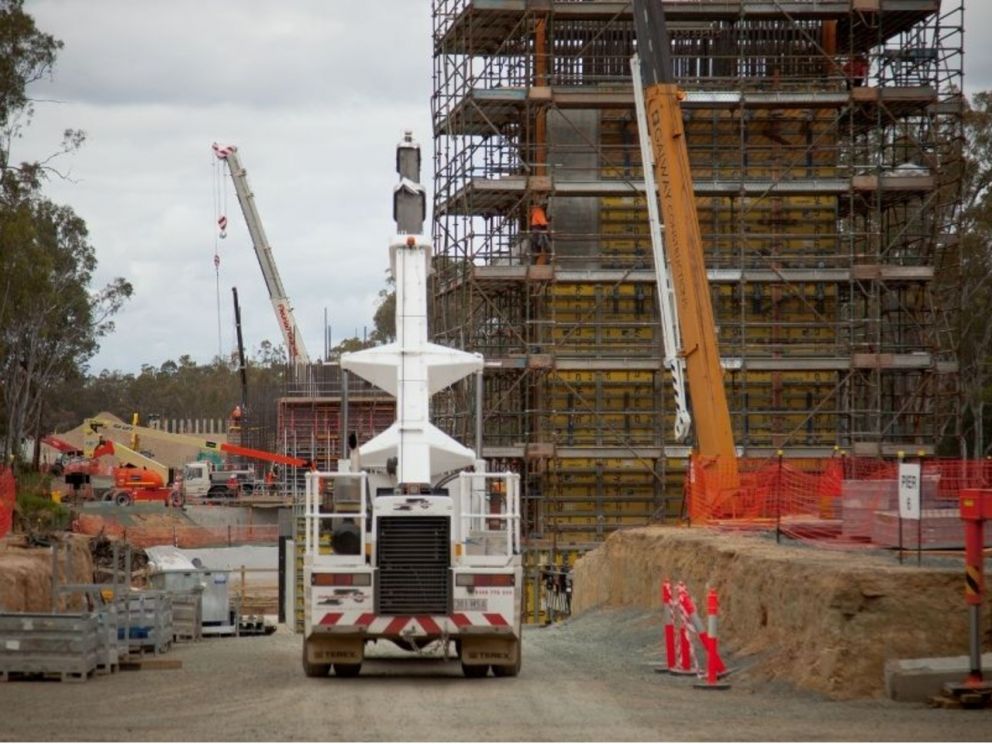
(616, 376)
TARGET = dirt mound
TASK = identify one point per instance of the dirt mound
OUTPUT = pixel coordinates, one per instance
(825, 621)
(146, 525)
(26, 573)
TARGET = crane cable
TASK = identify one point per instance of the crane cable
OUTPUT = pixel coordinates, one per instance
(220, 208)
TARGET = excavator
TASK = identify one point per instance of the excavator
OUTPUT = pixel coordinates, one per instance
(668, 176)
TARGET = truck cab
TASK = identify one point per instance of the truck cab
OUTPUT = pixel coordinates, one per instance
(202, 481)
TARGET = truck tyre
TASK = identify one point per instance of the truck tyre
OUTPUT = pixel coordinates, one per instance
(473, 671)
(510, 670)
(314, 670)
(218, 492)
(347, 670)
(122, 498)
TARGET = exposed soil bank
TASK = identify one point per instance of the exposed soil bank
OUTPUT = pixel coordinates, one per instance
(26, 573)
(822, 620)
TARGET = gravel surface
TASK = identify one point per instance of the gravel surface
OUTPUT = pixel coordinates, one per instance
(590, 679)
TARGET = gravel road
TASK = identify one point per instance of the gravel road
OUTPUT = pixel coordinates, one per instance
(590, 679)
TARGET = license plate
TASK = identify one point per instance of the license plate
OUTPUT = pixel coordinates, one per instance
(472, 604)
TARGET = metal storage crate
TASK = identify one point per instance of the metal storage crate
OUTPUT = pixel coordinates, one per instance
(108, 644)
(187, 616)
(148, 626)
(178, 574)
(64, 645)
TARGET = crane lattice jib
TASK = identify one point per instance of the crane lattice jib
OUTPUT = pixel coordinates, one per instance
(683, 240)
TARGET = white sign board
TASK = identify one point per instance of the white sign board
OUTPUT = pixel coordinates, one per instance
(909, 490)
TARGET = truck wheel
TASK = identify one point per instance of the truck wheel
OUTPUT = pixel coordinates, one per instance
(347, 670)
(474, 670)
(122, 498)
(510, 670)
(314, 670)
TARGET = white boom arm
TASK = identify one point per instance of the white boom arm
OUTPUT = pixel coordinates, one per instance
(674, 361)
(295, 348)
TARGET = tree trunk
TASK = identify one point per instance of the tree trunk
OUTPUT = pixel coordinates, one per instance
(978, 409)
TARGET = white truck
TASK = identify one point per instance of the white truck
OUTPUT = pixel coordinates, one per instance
(201, 480)
(411, 540)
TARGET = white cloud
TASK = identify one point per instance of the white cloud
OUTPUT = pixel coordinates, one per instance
(315, 94)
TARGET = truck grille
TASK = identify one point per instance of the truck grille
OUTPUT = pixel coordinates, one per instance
(414, 558)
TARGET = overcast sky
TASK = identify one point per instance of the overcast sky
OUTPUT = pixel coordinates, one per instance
(315, 94)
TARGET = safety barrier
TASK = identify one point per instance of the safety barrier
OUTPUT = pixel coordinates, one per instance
(842, 501)
(8, 497)
(683, 629)
(181, 536)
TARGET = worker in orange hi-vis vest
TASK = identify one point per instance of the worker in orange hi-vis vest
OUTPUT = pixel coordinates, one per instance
(540, 241)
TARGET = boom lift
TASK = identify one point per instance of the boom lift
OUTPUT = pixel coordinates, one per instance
(295, 348)
(137, 477)
(402, 543)
(662, 124)
(200, 479)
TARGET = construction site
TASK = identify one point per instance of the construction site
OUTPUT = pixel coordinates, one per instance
(674, 391)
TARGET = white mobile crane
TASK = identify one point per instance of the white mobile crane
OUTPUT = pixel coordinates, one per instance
(295, 348)
(409, 546)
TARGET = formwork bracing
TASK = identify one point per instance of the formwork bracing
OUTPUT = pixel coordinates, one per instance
(825, 144)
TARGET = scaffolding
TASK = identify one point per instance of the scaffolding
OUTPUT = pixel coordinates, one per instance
(825, 140)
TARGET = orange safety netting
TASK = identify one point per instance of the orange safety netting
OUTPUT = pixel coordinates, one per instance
(180, 535)
(8, 497)
(844, 498)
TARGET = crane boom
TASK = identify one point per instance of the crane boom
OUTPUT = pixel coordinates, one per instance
(683, 242)
(295, 348)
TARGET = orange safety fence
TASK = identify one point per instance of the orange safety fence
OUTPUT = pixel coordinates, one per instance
(8, 497)
(179, 535)
(844, 500)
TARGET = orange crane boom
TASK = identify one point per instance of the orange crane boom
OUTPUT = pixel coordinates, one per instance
(684, 245)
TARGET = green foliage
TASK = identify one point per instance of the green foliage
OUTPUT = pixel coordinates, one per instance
(50, 320)
(26, 55)
(35, 511)
(175, 389)
(385, 315)
(973, 287)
